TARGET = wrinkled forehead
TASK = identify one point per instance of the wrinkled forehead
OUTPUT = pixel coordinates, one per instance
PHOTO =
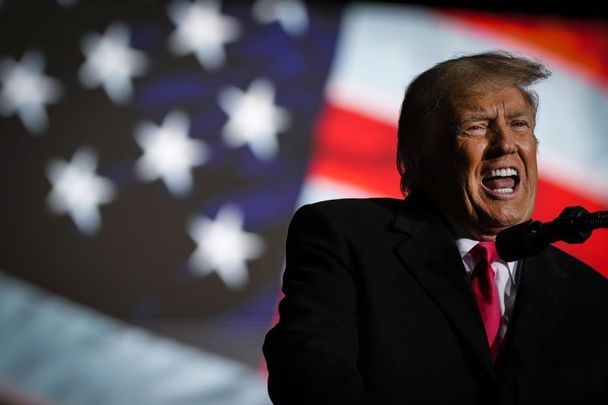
(484, 98)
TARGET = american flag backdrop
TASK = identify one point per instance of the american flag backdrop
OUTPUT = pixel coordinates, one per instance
(152, 154)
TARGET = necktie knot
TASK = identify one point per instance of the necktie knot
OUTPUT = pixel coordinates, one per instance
(485, 252)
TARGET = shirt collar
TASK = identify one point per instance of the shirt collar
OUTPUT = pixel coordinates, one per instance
(465, 245)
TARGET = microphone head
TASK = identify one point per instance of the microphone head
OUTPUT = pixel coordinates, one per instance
(574, 227)
(519, 241)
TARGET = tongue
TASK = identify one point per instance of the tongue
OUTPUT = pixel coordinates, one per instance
(499, 182)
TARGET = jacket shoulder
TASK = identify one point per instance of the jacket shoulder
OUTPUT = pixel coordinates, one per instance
(348, 212)
(579, 272)
(349, 206)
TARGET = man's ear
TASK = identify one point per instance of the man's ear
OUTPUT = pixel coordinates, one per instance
(424, 170)
(425, 160)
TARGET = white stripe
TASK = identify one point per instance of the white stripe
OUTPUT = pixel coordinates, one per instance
(71, 354)
(318, 188)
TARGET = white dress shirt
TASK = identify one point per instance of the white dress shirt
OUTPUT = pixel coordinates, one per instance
(504, 280)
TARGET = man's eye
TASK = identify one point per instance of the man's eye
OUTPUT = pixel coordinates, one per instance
(475, 130)
(519, 124)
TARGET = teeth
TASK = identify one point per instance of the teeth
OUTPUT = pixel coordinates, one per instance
(504, 190)
(506, 172)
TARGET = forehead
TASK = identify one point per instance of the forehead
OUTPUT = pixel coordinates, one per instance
(491, 100)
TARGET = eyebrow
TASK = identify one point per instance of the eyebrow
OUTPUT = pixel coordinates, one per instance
(482, 116)
(475, 117)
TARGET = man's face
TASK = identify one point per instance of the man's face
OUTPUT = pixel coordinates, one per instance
(484, 175)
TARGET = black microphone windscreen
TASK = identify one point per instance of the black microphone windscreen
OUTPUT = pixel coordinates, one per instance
(520, 241)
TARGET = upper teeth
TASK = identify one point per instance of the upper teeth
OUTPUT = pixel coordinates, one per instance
(509, 171)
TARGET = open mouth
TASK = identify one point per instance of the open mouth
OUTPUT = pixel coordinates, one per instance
(501, 182)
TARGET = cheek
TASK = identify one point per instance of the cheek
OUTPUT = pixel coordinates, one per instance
(530, 159)
(468, 158)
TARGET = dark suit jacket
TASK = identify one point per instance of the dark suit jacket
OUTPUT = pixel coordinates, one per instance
(378, 310)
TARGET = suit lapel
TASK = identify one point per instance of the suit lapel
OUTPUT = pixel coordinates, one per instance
(540, 304)
(438, 268)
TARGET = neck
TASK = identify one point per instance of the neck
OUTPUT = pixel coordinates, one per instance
(460, 230)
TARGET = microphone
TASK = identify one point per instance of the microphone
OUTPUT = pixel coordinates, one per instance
(573, 225)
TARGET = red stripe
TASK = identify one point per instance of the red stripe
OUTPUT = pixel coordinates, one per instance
(357, 150)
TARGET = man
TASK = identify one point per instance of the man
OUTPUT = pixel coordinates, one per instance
(398, 302)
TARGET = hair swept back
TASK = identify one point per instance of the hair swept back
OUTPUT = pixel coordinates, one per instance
(429, 95)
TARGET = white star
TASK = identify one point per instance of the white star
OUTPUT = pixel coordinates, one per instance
(223, 246)
(201, 30)
(25, 90)
(290, 14)
(253, 118)
(111, 63)
(78, 191)
(169, 153)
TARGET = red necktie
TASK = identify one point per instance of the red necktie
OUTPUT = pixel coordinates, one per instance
(482, 281)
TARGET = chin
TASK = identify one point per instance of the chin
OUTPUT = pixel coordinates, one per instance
(503, 217)
(511, 219)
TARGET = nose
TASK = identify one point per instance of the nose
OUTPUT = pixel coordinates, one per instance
(502, 141)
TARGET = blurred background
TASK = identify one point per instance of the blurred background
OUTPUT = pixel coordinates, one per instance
(152, 154)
